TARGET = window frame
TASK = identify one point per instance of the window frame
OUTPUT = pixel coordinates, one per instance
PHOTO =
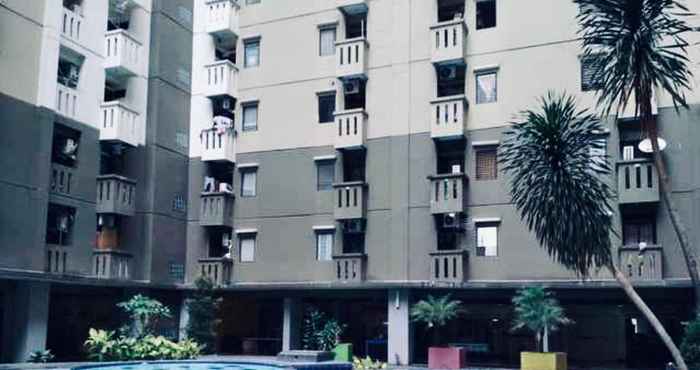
(243, 237)
(319, 234)
(250, 105)
(478, 151)
(331, 95)
(327, 28)
(486, 225)
(319, 164)
(248, 171)
(477, 95)
(246, 44)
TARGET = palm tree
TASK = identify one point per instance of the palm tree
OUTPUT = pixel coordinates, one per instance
(436, 312)
(637, 47)
(538, 310)
(559, 187)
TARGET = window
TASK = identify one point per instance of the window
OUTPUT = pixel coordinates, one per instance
(248, 182)
(324, 246)
(250, 117)
(450, 80)
(450, 9)
(639, 230)
(486, 87)
(487, 240)
(326, 107)
(598, 153)
(588, 74)
(486, 164)
(326, 41)
(247, 247)
(252, 53)
(485, 14)
(325, 174)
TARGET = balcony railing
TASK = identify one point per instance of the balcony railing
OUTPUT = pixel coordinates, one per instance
(351, 58)
(116, 195)
(111, 264)
(637, 182)
(122, 53)
(222, 18)
(447, 193)
(642, 264)
(71, 24)
(351, 130)
(449, 266)
(67, 100)
(120, 123)
(218, 270)
(449, 41)
(56, 259)
(350, 267)
(350, 200)
(218, 146)
(216, 209)
(221, 79)
(62, 179)
(448, 117)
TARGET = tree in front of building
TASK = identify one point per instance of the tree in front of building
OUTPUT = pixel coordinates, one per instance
(690, 347)
(435, 313)
(559, 185)
(144, 313)
(638, 48)
(537, 310)
(320, 333)
(203, 309)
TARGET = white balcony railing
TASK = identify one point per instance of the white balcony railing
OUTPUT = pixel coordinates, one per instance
(67, 100)
(71, 24)
(218, 146)
(448, 117)
(221, 79)
(122, 53)
(351, 130)
(449, 41)
(120, 123)
(222, 18)
(351, 58)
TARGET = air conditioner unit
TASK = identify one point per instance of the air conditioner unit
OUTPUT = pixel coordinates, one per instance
(70, 148)
(351, 87)
(451, 221)
(355, 226)
(226, 240)
(449, 72)
(456, 168)
(227, 104)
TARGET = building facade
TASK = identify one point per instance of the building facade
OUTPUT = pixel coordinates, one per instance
(338, 154)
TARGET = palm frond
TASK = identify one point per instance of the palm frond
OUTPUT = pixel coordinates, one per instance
(436, 312)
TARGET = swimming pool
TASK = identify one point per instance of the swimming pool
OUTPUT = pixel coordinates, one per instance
(214, 365)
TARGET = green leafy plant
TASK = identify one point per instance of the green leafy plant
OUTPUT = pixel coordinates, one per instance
(145, 313)
(41, 356)
(690, 346)
(329, 335)
(100, 345)
(436, 313)
(320, 333)
(367, 364)
(203, 308)
(537, 310)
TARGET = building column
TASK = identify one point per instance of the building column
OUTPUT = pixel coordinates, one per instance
(26, 319)
(184, 319)
(291, 324)
(400, 346)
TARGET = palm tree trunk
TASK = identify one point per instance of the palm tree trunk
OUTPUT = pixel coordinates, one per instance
(649, 315)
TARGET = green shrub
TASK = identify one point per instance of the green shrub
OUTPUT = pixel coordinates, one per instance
(367, 364)
(41, 356)
(320, 333)
(145, 313)
(203, 308)
(101, 345)
(690, 346)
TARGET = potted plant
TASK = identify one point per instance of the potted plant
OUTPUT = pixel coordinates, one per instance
(322, 335)
(436, 313)
(537, 310)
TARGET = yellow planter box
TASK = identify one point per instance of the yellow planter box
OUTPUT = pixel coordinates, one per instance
(543, 361)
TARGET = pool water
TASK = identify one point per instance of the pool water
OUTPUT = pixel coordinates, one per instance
(182, 366)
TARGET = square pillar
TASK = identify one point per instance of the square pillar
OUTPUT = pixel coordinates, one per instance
(25, 320)
(184, 319)
(400, 346)
(291, 324)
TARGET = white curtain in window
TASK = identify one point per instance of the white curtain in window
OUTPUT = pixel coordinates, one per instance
(250, 117)
(252, 54)
(248, 249)
(324, 246)
(249, 183)
(487, 238)
(327, 40)
(486, 87)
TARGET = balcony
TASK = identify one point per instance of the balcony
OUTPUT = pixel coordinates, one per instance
(216, 209)
(449, 42)
(111, 264)
(642, 264)
(449, 266)
(218, 146)
(350, 267)
(221, 80)
(116, 195)
(120, 123)
(66, 100)
(350, 200)
(218, 270)
(637, 182)
(351, 129)
(71, 23)
(447, 193)
(448, 119)
(352, 6)
(222, 20)
(351, 58)
(122, 54)
(56, 259)
(62, 179)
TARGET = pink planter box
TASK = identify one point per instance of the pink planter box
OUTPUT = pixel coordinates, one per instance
(447, 358)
